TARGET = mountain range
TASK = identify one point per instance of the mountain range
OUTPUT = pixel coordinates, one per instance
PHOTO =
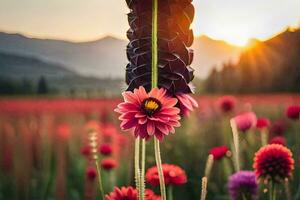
(106, 56)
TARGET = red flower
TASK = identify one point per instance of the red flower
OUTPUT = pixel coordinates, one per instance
(274, 162)
(226, 103)
(109, 163)
(263, 123)
(91, 173)
(105, 149)
(123, 193)
(278, 140)
(245, 121)
(278, 128)
(186, 103)
(63, 131)
(150, 195)
(173, 175)
(129, 193)
(293, 112)
(85, 150)
(149, 114)
(218, 152)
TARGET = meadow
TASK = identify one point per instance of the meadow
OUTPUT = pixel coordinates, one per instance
(44, 146)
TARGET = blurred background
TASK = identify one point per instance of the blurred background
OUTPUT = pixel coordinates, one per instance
(62, 64)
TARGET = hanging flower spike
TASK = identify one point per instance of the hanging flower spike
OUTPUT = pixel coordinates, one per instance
(273, 162)
(174, 37)
(243, 185)
(174, 175)
(150, 114)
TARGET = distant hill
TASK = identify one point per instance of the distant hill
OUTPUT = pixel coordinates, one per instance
(19, 69)
(269, 66)
(106, 57)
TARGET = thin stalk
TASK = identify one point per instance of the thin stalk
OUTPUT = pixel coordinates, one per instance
(159, 169)
(264, 137)
(154, 83)
(170, 192)
(272, 192)
(154, 49)
(204, 188)
(137, 166)
(142, 172)
(99, 179)
(236, 143)
(209, 165)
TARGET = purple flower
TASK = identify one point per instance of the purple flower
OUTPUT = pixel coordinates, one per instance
(242, 183)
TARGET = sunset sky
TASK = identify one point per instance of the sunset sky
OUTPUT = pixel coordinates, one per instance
(234, 21)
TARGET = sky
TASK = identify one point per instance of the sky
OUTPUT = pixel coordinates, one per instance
(235, 21)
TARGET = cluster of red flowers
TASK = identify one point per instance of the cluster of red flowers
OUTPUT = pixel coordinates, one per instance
(173, 175)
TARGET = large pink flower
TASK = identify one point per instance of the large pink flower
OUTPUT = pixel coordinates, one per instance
(186, 103)
(149, 114)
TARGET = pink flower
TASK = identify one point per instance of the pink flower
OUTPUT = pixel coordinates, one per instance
(149, 114)
(109, 163)
(105, 149)
(219, 152)
(293, 112)
(186, 103)
(245, 121)
(86, 150)
(226, 103)
(263, 123)
(91, 173)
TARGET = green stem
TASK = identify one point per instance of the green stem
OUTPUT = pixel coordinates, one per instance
(272, 192)
(170, 192)
(142, 172)
(154, 49)
(159, 169)
(99, 179)
(137, 166)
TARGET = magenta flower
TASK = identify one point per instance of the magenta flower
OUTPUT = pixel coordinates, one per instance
(226, 103)
(186, 103)
(152, 114)
(293, 112)
(263, 123)
(245, 121)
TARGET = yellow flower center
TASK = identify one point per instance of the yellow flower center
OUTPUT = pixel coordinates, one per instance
(150, 106)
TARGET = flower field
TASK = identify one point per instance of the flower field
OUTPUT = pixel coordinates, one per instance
(46, 151)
